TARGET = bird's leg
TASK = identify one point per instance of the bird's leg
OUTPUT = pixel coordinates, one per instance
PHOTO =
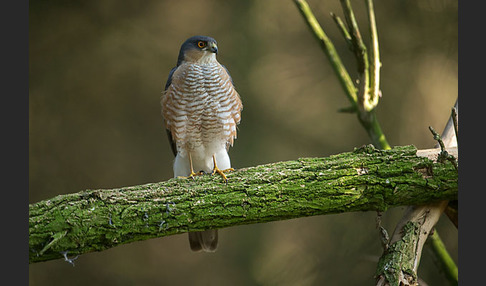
(192, 174)
(219, 171)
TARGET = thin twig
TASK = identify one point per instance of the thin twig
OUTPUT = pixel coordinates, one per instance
(368, 93)
(384, 237)
(437, 138)
(361, 54)
(329, 50)
(357, 40)
(375, 64)
(366, 115)
(344, 31)
(454, 121)
(443, 155)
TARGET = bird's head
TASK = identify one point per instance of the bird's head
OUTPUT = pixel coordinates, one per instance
(200, 49)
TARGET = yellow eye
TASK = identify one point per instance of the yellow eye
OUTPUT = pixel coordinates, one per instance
(201, 44)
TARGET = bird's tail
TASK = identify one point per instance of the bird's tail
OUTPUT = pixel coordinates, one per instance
(204, 240)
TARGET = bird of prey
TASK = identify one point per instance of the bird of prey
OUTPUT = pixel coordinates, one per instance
(201, 108)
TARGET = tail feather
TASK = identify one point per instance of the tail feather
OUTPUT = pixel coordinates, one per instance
(204, 240)
(207, 240)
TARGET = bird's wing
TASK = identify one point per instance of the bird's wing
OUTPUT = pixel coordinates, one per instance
(236, 106)
(227, 71)
(169, 80)
(169, 133)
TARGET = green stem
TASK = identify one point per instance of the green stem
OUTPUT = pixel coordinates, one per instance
(366, 116)
(359, 47)
(361, 54)
(373, 128)
(375, 64)
(365, 99)
(445, 260)
(343, 30)
(329, 49)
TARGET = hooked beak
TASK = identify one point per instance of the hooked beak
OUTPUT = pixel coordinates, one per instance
(213, 47)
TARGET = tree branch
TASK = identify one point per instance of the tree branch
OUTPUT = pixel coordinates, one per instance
(366, 179)
(365, 98)
(399, 263)
(363, 101)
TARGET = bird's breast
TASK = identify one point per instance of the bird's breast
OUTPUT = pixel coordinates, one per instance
(201, 106)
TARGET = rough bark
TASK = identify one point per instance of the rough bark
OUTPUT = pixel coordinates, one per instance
(399, 263)
(366, 179)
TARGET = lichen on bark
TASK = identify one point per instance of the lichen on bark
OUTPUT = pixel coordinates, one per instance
(366, 179)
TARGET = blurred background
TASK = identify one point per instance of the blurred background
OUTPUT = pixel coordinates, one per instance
(96, 72)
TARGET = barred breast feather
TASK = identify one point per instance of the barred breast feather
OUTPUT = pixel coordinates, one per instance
(201, 106)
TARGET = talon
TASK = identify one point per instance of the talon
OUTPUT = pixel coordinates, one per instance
(221, 172)
(192, 175)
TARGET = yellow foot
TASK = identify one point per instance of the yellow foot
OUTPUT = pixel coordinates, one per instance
(192, 175)
(221, 172)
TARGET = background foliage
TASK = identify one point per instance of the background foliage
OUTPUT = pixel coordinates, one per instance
(96, 72)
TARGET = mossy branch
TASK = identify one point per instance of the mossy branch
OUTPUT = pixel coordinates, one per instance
(365, 98)
(399, 263)
(366, 179)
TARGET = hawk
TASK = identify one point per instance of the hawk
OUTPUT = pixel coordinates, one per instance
(201, 109)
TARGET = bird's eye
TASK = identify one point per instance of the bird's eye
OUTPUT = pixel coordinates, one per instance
(201, 44)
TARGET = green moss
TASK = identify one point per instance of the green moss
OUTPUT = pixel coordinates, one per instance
(364, 180)
(400, 256)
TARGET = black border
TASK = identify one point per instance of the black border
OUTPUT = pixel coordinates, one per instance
(15, 139)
